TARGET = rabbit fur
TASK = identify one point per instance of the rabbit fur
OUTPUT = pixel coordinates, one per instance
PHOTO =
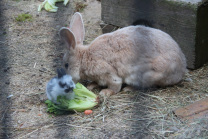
(135, 55)
(62, 85)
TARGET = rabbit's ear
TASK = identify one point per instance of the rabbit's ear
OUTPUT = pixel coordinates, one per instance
(61, 72)
(77, 27)
(68, 36)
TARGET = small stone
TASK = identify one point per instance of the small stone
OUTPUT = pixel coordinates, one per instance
(10, 96)
(43, 70)
(188, 80)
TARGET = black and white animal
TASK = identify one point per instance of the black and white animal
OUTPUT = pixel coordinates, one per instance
(62, 85)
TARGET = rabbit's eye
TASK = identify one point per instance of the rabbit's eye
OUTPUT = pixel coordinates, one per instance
(66, 65)
(62, 84)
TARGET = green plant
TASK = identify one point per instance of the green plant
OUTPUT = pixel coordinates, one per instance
(24, 17)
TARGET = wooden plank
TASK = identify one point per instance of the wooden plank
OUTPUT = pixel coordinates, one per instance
(182, 19)
(198, 109)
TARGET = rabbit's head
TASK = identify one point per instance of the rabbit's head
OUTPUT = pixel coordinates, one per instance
(73, 37)
(65, 81)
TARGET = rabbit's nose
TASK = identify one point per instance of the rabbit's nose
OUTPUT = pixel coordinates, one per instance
(68, 90)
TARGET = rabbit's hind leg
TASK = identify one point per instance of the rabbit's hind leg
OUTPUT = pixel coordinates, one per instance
(114, 84)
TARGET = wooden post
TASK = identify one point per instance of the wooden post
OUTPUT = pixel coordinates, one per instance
(185, 20)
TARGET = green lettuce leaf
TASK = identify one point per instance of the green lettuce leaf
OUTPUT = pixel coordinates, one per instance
(49, 5)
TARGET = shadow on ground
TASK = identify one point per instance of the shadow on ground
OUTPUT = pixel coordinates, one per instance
(5, 103)
(141, 111)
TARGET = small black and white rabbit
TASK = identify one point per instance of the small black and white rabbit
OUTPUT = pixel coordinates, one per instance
(62, 85)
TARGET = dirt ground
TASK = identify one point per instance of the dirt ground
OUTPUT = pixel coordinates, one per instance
(31, 51)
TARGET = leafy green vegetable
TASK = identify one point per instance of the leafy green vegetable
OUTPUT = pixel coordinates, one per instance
(49, 5)
(83, 100)
(52, 108)
(82, 91)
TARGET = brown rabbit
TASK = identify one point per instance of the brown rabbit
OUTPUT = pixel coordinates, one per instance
(135, 55)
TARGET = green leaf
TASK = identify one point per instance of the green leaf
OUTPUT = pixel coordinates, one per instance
(49, 5)
(82, 91)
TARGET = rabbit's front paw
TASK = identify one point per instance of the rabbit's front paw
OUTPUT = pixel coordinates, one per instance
(106, 92)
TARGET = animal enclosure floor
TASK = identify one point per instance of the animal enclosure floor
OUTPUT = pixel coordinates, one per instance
(30, 52)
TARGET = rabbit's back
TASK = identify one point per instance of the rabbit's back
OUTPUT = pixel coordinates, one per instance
(139, 55)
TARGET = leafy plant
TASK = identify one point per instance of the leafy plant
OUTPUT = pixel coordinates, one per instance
(24, 17)
(49, 5)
